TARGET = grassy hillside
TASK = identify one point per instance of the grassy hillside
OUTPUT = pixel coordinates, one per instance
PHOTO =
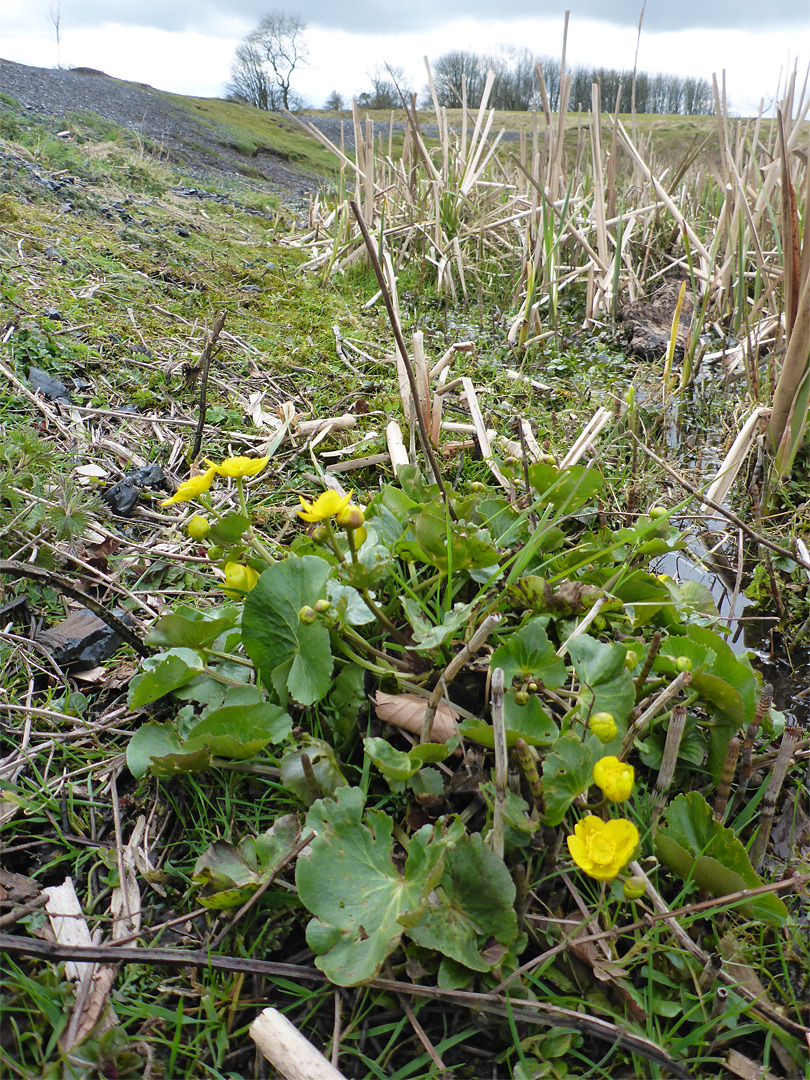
(437, 756)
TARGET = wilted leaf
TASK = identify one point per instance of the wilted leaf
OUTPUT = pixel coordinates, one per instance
(227, 876)
(407, 711)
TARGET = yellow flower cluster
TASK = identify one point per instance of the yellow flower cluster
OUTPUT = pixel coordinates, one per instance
(234, 467)
(603, 848)
(327, 505)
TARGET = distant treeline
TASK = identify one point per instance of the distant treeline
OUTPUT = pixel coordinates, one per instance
(516, 88)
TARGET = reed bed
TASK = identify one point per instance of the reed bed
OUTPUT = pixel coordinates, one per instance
(547, 216)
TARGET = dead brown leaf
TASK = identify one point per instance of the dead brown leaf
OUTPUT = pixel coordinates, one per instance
(407, 711)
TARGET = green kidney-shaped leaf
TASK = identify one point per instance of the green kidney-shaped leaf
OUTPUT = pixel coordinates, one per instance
(565, 489)
(155, 748)
(191, 628)
(239, 731)
(359, 898)
(164, 673)
(694, 844)
(228, 530)
(607, 685)
(529, 722)
(473, 903)
(529, 652)
(292, 656)
(567, 772)
(399, 765)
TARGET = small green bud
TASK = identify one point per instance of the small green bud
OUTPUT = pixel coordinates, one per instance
(634, 888)
(521, 697)
(683, 663)
(197, 527)
(307, 614)
(630, 659)
(603, 726)
(657, 512)
(322, 606)
(532, 687)
(477, 486)
(215, 552)
(320, 533)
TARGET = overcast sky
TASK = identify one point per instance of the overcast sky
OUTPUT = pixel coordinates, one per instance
(186, 46)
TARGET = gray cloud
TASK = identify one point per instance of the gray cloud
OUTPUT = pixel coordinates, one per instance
(388, 16)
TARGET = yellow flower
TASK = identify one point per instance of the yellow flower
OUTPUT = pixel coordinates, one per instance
(239, 579)
(325, 506)
(614, 777)
(191, 488)
(603, 848)
(239, 466)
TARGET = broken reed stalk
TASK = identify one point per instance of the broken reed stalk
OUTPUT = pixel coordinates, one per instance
(453, 668)
(501, 762)
(668, 762)
(762, 710)
(202, 370)
(424, 434)
(726, 779)
(790, 736)
(639, 726)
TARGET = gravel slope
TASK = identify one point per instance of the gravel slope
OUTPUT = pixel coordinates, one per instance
(147, 112)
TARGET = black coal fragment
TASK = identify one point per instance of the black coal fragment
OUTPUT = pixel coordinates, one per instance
(82, 640)
(45, 384)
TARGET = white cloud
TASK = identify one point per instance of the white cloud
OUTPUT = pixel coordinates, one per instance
(198, 63)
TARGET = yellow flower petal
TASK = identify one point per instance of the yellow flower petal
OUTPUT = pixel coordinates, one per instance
(602, 849)
(239, 466)
(192, 487)
(615, 778)
(325, 506)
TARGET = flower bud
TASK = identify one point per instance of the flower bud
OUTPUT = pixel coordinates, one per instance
(322, 606)
(634, 888)
(215, 552)
(239, 579)
(320, 533)
(603, 726)
(630, 659)
(350, 517)
(197, 527)
(477, 486)
(615, 778)
(683, 663)
(307, 614)
(521, 697)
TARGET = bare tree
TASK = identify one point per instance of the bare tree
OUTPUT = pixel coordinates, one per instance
(264, 62)
(249, 79)
(55, 16)
(453, 67)
(388, 86)
(334, 101)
